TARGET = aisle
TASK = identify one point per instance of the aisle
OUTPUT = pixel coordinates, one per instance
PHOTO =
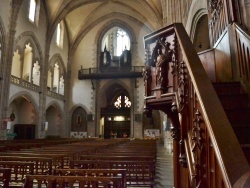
(164, 168)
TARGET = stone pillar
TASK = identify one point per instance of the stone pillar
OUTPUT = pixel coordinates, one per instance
(7, 61)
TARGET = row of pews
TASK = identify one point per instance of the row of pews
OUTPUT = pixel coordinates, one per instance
(94, 162)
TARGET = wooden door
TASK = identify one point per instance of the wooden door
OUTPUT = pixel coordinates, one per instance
(116, 127)
(25, 131)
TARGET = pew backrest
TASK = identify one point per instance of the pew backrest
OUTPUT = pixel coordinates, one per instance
(19, 170)
(92, 172)
(42, 165)
(50, 181)
(5, 174)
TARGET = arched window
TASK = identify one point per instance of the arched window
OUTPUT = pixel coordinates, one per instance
(34, 11)
(27, 62)
(115, 48)
(59, 35)
(122, 102)
(116, 40)
(55, 79)
(123, 41)
(56, 74)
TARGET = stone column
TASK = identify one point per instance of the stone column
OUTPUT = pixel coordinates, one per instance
(7, 61)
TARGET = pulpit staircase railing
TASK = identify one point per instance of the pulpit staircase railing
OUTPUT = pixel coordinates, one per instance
(206, 150)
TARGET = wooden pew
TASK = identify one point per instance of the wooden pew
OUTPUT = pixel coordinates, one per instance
(124, 157)
(42, 165)
(52, 181)
(93, 172)
(5, 177)
(138, 173)
(19, 170)
(57, 159)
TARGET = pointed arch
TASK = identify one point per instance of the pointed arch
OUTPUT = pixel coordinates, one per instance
(27, 95)
(29, 37)
(78, 120)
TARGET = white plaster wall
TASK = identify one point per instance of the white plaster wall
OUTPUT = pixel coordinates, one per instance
(5, 12)
(23, 23)
(54, 49)
(140, 32)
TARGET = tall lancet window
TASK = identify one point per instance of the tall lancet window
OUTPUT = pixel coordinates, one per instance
(34, 11)
(122, 41)
(59, 34)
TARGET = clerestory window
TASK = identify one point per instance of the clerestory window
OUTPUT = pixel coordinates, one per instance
(34, 10)
(59, 35)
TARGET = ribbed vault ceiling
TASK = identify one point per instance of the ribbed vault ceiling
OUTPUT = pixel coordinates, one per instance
(80, 14)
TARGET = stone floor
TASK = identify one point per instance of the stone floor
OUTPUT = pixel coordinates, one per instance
(164, 168)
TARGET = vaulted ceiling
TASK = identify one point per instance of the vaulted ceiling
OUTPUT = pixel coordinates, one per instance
(81, 14)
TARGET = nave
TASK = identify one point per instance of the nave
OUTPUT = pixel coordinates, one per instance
(164, 167)
(86, 163)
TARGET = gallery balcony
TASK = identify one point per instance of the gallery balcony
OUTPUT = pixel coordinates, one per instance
(110, 72)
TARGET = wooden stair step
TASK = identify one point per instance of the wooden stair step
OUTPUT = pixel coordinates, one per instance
(228, 88)
(246, 150)
(238, 116)
(243, 133)
(236, 105)
(234, 101)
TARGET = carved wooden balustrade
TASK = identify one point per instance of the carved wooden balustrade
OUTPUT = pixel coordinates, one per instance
(221, 13)
(243, 56)
(206, 150)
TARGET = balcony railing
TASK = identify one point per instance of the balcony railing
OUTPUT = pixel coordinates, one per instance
(22, 83)
(110, 72)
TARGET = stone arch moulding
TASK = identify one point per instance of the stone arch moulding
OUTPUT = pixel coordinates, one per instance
(197, 9)
(31, 38)
(28, 96)
(56, 105)
(197, 16)
(76, 106)
(109, 16)
(58, 58)
(107, 85)
(80, 127)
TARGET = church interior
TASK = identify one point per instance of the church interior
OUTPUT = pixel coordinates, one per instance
(106, 72)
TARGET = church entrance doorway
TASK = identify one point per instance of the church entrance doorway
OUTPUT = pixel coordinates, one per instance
(116, 115)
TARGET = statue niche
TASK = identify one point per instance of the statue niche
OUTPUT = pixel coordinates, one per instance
(161, 57)
(105, 58)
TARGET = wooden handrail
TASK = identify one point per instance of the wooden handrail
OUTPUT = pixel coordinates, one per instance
(227, 149)
(212, 151)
